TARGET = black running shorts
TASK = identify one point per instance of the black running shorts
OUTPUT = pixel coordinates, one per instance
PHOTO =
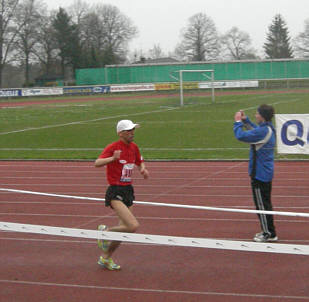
(122, 193)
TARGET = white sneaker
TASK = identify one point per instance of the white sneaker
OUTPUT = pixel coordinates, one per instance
(262, 237)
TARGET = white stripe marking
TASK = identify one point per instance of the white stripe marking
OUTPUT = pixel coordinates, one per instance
(113, 288)
(243, 246)
(166, 204)
(86, 121)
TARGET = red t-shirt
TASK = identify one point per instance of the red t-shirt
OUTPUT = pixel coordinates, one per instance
(119, 172)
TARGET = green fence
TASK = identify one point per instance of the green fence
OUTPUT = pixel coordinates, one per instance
(238, 70)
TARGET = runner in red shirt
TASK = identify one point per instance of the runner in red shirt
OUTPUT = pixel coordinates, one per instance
(120, 158)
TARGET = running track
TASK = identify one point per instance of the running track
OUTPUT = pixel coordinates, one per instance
(40, 268)
(115, 98)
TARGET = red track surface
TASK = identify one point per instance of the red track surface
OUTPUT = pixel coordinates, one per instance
(40, 268)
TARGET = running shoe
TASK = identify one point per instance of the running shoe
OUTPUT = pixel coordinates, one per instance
(103, 244)
(264, 237)
(259, 234)
(108, 263)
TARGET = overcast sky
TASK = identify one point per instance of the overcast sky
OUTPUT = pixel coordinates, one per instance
(160, 21)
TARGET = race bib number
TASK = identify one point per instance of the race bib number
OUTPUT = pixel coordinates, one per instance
(127, 172)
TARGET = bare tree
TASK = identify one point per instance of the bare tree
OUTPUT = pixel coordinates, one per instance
(237, 45)
(78, 10)
(46, 48)
(104, 35)
(200, 39)
(118, 30)
(29, 19)
(301, 42)
(92, 32)
(8, 31)
(156, 52)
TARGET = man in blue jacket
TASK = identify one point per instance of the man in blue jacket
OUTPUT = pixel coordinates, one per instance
(262, 139)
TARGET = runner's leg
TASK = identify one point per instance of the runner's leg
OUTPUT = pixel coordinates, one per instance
(127, 224)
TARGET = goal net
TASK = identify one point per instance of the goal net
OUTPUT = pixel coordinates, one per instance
(201, 78)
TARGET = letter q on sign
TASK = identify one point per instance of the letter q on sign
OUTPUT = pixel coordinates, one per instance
(292, 133)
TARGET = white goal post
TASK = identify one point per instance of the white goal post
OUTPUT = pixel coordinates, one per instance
(205, 73)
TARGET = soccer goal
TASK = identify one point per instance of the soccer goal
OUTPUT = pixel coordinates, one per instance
(207, 77)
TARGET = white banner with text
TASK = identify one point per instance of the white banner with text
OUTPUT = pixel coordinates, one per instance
(292, 133)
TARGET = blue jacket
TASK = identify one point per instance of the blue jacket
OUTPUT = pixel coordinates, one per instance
(262, 139)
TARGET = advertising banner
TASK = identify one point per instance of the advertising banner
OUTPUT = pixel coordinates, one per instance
(133, 87)
(86, 90)
(41, 91)
(4, 93)
(175, 86)
(292, 133)
(229, 84)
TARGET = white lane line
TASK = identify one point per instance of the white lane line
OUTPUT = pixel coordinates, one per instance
(95, 203)
(161, 291)
(87, 121)
(154, 196)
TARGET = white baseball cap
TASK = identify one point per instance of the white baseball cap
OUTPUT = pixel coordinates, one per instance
(126, 125)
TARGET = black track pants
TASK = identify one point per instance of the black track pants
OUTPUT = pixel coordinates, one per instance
(262, 198)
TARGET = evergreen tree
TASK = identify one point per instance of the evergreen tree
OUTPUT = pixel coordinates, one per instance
(278, 40)
(67, 38)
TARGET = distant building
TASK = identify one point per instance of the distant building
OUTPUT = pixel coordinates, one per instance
(49, 80)
(156, 61)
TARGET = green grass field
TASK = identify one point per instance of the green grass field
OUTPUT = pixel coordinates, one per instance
(80, 130)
